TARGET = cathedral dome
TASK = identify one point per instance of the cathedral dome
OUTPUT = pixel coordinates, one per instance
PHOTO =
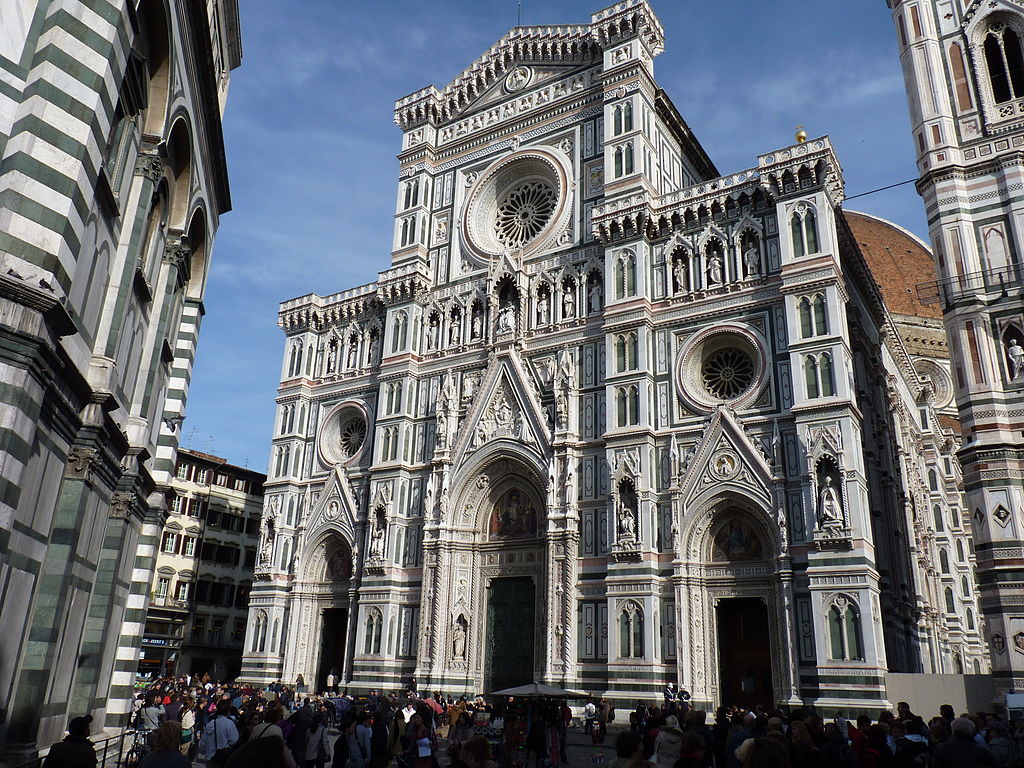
(898, 261)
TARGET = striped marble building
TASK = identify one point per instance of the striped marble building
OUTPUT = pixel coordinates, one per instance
(610, 418)
(112, 182)
(964, 71)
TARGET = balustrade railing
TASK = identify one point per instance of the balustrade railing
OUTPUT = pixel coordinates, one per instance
(986, 283)
(122, 750)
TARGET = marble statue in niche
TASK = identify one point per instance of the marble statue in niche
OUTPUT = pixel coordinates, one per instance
(829, 508)
(543, 308)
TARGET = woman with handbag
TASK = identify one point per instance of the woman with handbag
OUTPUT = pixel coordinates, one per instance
(188, 725)
(318, 748)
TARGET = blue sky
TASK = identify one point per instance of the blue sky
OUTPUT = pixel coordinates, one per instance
(311, 145)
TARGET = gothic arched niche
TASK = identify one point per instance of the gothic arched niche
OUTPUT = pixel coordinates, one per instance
(500, 494)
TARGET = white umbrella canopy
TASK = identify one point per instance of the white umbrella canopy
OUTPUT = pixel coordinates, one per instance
(538, 690)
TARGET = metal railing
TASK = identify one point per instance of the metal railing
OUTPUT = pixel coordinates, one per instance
(122, 750)
(999, 281)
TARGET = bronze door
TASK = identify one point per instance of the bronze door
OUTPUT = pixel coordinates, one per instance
(510, 632)
(744, 653)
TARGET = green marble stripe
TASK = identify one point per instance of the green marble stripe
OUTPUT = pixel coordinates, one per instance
(49, 93)
(46, 218)
(82, 33)
(8, 90)
(76, 70)
(14, 445)
(36, 126)
(46, 175)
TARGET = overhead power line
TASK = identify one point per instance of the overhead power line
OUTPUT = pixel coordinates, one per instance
(882, 189)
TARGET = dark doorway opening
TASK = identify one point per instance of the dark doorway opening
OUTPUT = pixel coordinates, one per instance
(510, 630)
(332, 647)
(744, 653)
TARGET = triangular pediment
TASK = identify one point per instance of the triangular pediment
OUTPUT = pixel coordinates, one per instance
(336, 507)
(559, 48)
(725, 458)
(506, 406)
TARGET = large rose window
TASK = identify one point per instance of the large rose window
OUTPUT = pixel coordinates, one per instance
(519, 203)
(524, 212)
(723, 364)
(343, 435)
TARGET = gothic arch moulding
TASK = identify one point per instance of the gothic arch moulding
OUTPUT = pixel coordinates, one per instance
(731, 527)
(500, 493)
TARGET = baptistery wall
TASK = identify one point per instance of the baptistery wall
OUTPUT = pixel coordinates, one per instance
(611, 419)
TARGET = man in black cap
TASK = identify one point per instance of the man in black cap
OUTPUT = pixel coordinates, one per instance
(76, 751)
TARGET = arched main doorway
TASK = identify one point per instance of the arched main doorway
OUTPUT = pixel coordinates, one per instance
(487, 604)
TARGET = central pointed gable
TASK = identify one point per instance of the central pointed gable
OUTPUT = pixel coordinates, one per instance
(506, 406)
(725, 457)
(336, 508)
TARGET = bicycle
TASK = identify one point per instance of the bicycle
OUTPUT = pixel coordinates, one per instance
(138, 750)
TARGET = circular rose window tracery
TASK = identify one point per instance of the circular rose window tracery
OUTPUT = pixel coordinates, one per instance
(343, 435)
(353, 434)
(519, 202)
(725, 364)
(524, 212)
(728, 373)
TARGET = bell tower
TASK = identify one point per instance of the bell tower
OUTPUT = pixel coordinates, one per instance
(963, 62)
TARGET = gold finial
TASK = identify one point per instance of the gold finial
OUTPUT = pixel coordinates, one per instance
(801, 134)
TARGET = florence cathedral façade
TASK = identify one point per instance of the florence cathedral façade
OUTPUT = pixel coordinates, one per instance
(610, 418)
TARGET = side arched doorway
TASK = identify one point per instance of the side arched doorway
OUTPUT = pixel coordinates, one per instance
(735, 589)
(322, 607)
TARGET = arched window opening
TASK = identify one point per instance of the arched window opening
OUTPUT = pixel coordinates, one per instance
(811, 376)
(627, 159)
(374, 632)
(806, 321)
(950, 602)
(960, 555)
(275, 636)
(625, 275)
(617, 120)
(828, 377)
(627, 117)
(820, 316)
(285, 556)
(944, 560)
(631, 631)
(965, 586)
(937, 517)
(970, 619)
(1005, 63)
(618, 162)
(958, 663)
(797, 235)
(845, 630)
(811, 231)
(261, 628)
(933, 482)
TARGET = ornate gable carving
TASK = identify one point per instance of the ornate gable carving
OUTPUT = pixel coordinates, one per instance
(725, 457)
(336, 508)
(506, 407)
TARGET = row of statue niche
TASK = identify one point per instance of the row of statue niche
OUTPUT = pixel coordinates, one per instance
(594, 300)
(715, 269)
(351, 354)
(506, 322)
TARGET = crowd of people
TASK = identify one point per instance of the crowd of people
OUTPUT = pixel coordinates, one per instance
(680, 737)
(279, 727)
